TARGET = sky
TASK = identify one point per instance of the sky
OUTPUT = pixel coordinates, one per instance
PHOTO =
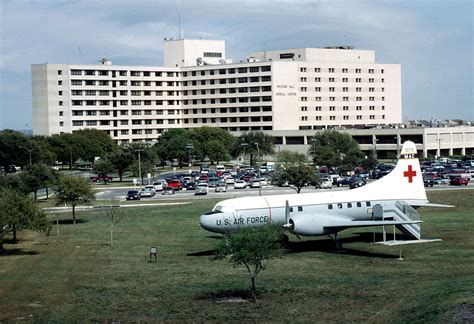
(431, 39)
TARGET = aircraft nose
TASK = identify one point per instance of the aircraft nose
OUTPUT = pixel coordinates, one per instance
(207, 222)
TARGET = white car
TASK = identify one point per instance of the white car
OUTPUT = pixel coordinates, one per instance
(159, 184)
(240, 184)
(326, 183)
(255, 183)
(229, 180)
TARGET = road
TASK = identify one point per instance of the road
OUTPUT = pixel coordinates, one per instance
(118, 193)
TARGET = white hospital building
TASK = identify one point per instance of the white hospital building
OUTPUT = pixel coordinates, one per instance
(287, 90)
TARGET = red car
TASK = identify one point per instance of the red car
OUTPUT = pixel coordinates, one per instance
(175, 184)
(459, 181)
(98, 178)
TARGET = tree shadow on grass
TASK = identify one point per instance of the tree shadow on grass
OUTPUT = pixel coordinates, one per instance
(202, 253)
(69, 221)
(226, 296)
(328, 246)
(11, 252)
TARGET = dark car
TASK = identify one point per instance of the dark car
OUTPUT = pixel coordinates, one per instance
(429, 180)
(190, 185)
(133, 195)
(459, 181)
(356, 182)
(346, 181)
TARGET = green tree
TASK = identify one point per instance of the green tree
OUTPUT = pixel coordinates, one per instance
(334, 149)
(121, 161)
(172, 145)
(205, 138)
(217, 151)
(66, 149)
(18, 212)
(38, 176)
(254, 143)
(288, 157)
(252, 248)
(103, 168)
(94, 143)
(14, 149)
(74, 191)
(145, 166)
(298, 176)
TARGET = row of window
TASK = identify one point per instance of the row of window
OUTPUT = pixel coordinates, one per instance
(344, 80)
(342, 70)
(75, 92)
(122, 83)
(344, 98)
(264, 78)
(252, 69)
(230, 110)
(343, 108)
(349, 205)
(345, 117)
(227, 100)
(224, 120)
(344, 89)
(149, 112)
(122, 73)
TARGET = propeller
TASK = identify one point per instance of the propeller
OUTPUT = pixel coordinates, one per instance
(289, 226)
(287, 215)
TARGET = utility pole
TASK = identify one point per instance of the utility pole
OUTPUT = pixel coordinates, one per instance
(140, 167)
(259, 180)
(244, 145)
(189, 146)
(29, 151)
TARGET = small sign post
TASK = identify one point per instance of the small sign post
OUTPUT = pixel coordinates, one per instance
(153, 250)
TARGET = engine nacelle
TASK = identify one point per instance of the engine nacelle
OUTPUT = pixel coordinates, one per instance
(309, 225)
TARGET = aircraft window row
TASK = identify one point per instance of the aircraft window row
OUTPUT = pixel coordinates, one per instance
(348, 205)
(300, 209)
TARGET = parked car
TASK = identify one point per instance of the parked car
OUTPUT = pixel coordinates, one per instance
(13, 168)
(191, 185)
(160, 184)
(200, 190)
(148, 191)
(213, 181)
(459, 181)
(221, 187)
(240, 184)
(326, 183)
(133, 195)
(356, 182)
(167, 191)
(255, 183)
(175, 184)
(346, 181)
(429, 180)
(229, 180)
(99, 178)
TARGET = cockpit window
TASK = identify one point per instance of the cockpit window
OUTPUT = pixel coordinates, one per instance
(212, 212)
(218, 208)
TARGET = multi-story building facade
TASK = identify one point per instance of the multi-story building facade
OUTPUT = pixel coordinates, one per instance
(290, 90)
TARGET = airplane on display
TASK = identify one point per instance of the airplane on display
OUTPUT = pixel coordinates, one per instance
(390, 200)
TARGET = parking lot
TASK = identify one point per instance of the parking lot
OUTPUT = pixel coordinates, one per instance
(119, 193)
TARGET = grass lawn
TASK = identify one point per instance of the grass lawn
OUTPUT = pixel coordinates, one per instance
(77, 276)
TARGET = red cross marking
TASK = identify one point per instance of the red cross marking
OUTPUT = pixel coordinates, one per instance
(410, 173)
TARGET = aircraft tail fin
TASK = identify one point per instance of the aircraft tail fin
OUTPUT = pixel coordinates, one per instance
(404, 182)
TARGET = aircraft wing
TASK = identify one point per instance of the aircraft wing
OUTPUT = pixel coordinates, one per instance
(348, 224)
(431, 205)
